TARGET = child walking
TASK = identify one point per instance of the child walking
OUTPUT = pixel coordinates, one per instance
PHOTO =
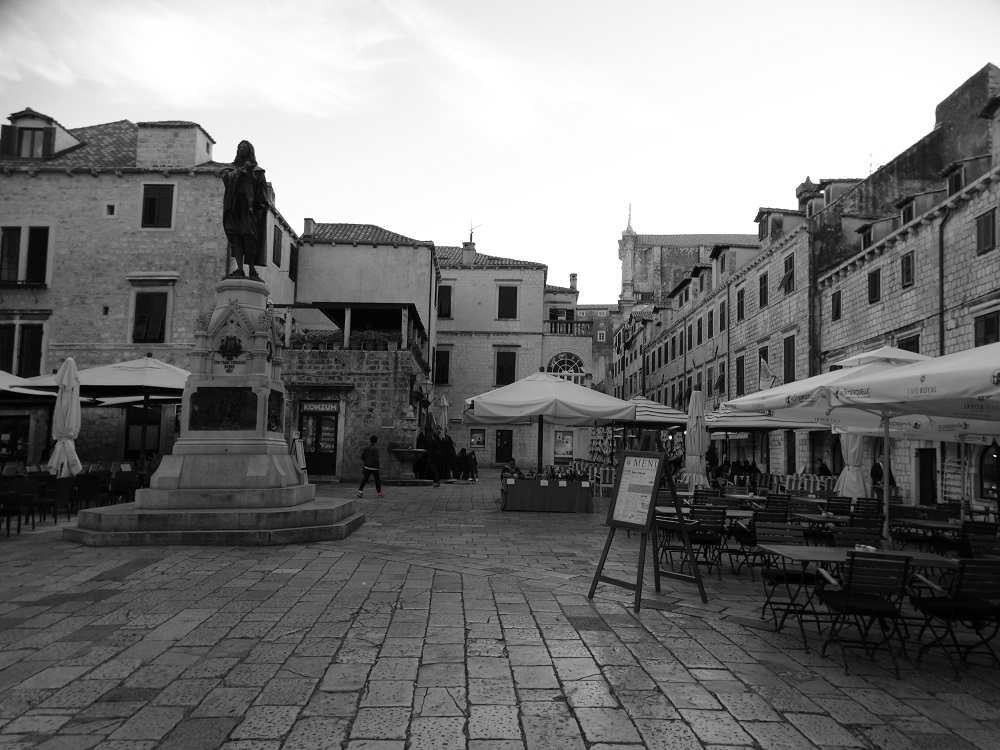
(370, 459)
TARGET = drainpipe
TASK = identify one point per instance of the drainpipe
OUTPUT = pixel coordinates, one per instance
(943, 448)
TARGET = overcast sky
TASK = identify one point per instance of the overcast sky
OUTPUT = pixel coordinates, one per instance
(540, 121)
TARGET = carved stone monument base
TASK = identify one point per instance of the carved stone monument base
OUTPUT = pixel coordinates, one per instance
(231, 478)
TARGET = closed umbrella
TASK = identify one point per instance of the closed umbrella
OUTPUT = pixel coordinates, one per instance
(696, 442)
(66, 422)
(851, 482)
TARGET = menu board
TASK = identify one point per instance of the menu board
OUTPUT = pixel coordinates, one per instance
(636, 484)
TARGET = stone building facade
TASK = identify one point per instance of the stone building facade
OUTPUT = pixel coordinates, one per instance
(112, 242)
(904, 257)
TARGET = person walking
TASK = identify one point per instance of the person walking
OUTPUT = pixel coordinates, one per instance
(370, 461)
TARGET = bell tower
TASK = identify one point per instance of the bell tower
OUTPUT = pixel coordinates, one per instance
(626, 254)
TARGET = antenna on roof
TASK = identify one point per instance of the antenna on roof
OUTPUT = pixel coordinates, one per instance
(472, 229)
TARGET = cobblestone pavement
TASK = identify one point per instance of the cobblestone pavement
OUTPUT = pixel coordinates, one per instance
(441, 623)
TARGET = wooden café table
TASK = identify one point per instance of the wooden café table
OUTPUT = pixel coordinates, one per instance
(546, 495)
(805, 555)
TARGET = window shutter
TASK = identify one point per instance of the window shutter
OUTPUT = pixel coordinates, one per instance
(293, 263)
(157, 206)
(38, 255)
(7, 348)
(507, 302)
(987, 329)
(48, 142)
(906, 269)
(29, 352)
(150, 315)
(10, 252)
(8, 140)
(276, 249)
(789, 359)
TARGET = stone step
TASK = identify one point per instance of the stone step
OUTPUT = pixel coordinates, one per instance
(217, 537)
(320, 519)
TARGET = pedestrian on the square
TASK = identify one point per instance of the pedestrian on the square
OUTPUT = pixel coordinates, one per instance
(370, 462)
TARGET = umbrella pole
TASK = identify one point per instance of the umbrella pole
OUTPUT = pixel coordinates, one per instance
(886, 480)
(541, 420)
(965, 476)
(145, 420)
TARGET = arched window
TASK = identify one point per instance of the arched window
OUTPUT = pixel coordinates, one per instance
(567, 366)
(989, 472)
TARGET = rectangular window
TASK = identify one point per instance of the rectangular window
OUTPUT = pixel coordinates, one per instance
(10, 253)
(29, 351)
(740, 376)
(762, 353)
(157, 206)
(789, 362)
(700, 338)
(697, 380)
(507, 303)
(986, 234)
(601, 337)
(276, 248)
(762, 228)
(444, 301)
(711, 323)
(763, 290)
(987, 328)
(673, 347)
(506, 372)
(866, 238)
(956, 181)
(690, 336)
(835, 309)
(906, 215)
(442, 367)
(29, 143)
(722, 316)
(720, 381)
(150, 318)
(710, 380)
(875, 286)
(7, 335)
(740, 304)
(906, 269)
(910, 344)
(788, 279)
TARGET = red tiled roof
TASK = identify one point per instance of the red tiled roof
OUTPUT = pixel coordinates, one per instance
(176, 124)
(451, 257)
(362, 234)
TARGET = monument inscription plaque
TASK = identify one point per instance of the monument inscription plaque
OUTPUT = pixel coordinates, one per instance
(223, 409)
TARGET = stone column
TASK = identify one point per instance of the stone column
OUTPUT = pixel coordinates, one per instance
(405, 328)
(347, 328)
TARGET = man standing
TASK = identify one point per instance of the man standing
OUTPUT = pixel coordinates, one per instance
(244, 210)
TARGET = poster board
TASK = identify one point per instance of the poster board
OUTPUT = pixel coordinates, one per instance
(636, 484)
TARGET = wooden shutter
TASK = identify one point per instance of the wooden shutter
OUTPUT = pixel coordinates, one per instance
(38, 255)
(157, 206)
(29, 351)
(7, 348)
(506, 367)
(987, 329)
(789, 359)
(10, 252)
(8, 140)
(906, 269)
(293, 263)
(507, 302)
(740, 376)
(48, 142)
(276, 248)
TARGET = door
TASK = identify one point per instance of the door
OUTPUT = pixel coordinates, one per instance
(319, 442)
(505, 446)
(790, 467)
(14, 439)
(926, 475)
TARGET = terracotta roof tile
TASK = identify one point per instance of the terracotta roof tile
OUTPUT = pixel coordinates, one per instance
(362, 234)
(451, 257)
(693, 240)
(561, 289)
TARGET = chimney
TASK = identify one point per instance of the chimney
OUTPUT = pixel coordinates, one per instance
(309, 227)
(468, 253)
(572, 281)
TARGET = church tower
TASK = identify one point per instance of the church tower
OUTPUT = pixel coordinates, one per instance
(626, 254)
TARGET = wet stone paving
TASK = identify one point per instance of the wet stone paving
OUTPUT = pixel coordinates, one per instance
(441, 623)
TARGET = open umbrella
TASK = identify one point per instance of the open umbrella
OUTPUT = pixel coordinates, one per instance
(549, 397)
(66, 422)
(696, 442)
(649, 412)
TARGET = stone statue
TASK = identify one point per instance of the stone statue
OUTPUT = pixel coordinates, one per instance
(244, 210)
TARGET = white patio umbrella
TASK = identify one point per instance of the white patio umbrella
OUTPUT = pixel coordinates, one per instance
(651, 412)
(852, 482)
(696, 442)
(66, 422)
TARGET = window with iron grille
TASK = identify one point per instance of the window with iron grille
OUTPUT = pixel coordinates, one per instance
(150, 318)
(157, 206)
(875, 286)
(986, 233)
(789, 362)
(740, 377)
(987, 328)
(906, 269)
(506, 364)
(507, 303)
(276, 248)
(763, 290)
(835, 306)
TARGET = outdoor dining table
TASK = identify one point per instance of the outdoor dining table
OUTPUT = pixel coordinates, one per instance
(821, 519)
(806, 555)
(934, 531)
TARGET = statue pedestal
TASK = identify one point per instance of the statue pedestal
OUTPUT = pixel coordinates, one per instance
(231, 478)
